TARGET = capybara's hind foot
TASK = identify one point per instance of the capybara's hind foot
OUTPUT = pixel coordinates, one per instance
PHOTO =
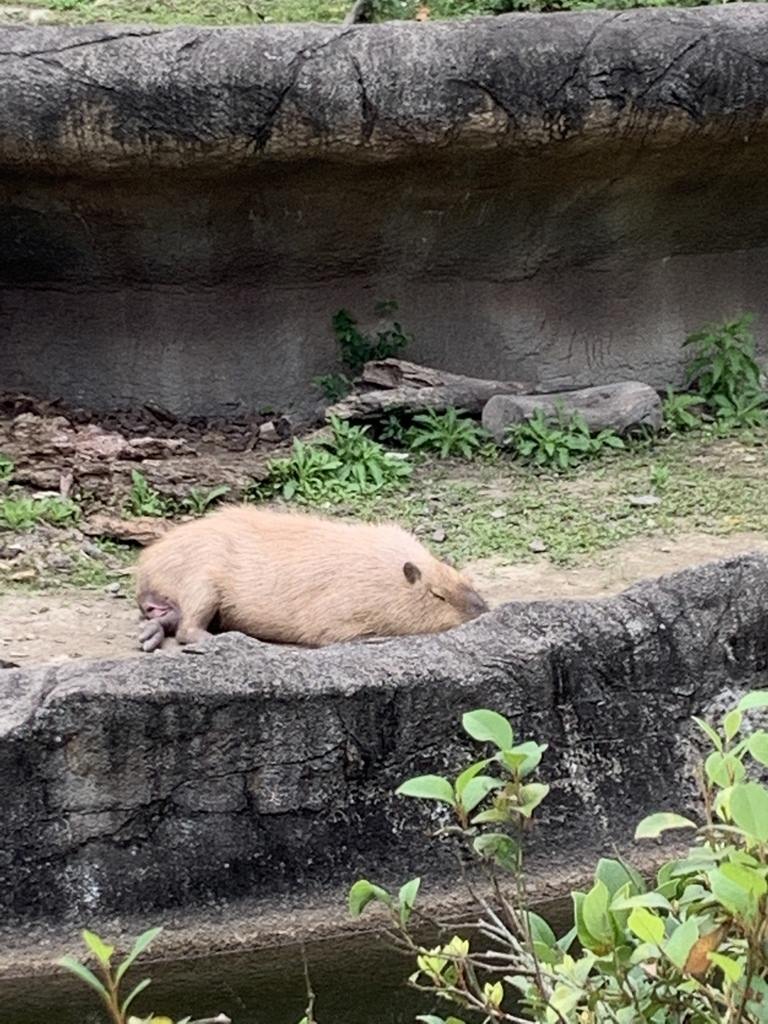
(152, 636)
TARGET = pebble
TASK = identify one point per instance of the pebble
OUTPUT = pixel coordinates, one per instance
(113, 588)
(499, 513)
(644, 500)
(537, 546)
(438, 536)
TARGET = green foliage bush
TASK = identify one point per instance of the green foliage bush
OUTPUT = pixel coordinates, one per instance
(357, 348)
(559, 443)
(349, 463)
(18, 512)
(690, 947)
(108, 984)
(725, 381)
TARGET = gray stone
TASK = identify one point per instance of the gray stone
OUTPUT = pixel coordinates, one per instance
(623, 407)
(240, 768)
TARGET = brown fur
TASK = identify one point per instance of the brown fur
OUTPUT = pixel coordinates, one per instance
(296, 579)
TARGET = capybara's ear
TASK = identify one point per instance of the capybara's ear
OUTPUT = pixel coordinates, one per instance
(411, 572)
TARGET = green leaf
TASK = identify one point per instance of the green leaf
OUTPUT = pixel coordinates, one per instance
(642, 899)
(476, 790)
(732, 969)
(749, 809)
(596, 920)
(139, 988)
(757, 745)
(85, 975)
(738, 889)
(469, 773)
(488, 727)
(723, 769)
(139, 946)
(530, 797)
(407, 897)
(615, 875)
(364, 892)
(646, 926)
(500, 848)
(653, 826)
(755, 699)
(98, 947)
(522, 759)
(680, 943)
(731, 724)
(428, 787)
(539, 930)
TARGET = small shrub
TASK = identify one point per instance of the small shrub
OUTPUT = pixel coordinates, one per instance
(108, 985)
(687, 948)
(452, 433)
(198, 502)
(349, 463)
(558, 445)
(22, 513)
(7, 467)
(334, 386)
(357, 348)
(677, 410)
(726, 375)
(144, 500)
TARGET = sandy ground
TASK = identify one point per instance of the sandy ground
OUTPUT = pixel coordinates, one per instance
(56, 626)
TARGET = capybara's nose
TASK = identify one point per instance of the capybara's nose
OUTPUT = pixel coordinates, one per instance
(477, 604)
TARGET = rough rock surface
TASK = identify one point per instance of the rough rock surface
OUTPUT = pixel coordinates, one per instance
(246, 769)
(623, 407)
(557, 199)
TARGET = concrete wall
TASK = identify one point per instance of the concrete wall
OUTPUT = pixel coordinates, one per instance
(557, 199)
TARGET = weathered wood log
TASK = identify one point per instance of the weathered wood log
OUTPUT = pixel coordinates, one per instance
(398, 384)
(623, 407)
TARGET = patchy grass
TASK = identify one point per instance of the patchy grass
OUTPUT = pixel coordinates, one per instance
(173, 12)
(709, 485)
(259, 12)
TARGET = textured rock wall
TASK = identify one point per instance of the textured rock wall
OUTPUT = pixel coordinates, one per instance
(139, 785)
(554, 198)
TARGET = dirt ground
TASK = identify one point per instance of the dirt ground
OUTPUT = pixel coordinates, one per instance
(75, 623)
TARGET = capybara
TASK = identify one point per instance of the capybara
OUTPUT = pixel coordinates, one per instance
(295, 579)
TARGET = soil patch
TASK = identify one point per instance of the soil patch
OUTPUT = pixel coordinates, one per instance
(77, 623)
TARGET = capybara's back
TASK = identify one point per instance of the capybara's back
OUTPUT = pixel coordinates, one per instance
(299, 579)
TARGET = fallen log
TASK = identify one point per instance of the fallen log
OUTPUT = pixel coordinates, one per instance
(388, 384)
(624, 407)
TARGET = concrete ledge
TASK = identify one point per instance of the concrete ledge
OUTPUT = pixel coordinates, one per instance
(112, 97)
(250, 770)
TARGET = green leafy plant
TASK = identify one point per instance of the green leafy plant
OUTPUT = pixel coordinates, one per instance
(689, 948)
(6, 467)
(144, 500)
(559, 444)
(108, 985)
(451, 433)
(198, 502)
(659, 475)
(22, 513)
(348, 463)
(334, 386)
(357, 348)
(725, 374)
(678, 410)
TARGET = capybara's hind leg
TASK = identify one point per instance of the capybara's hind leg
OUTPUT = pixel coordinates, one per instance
(200, 604)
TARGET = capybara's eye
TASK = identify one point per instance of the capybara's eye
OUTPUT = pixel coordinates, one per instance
(440, 597)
